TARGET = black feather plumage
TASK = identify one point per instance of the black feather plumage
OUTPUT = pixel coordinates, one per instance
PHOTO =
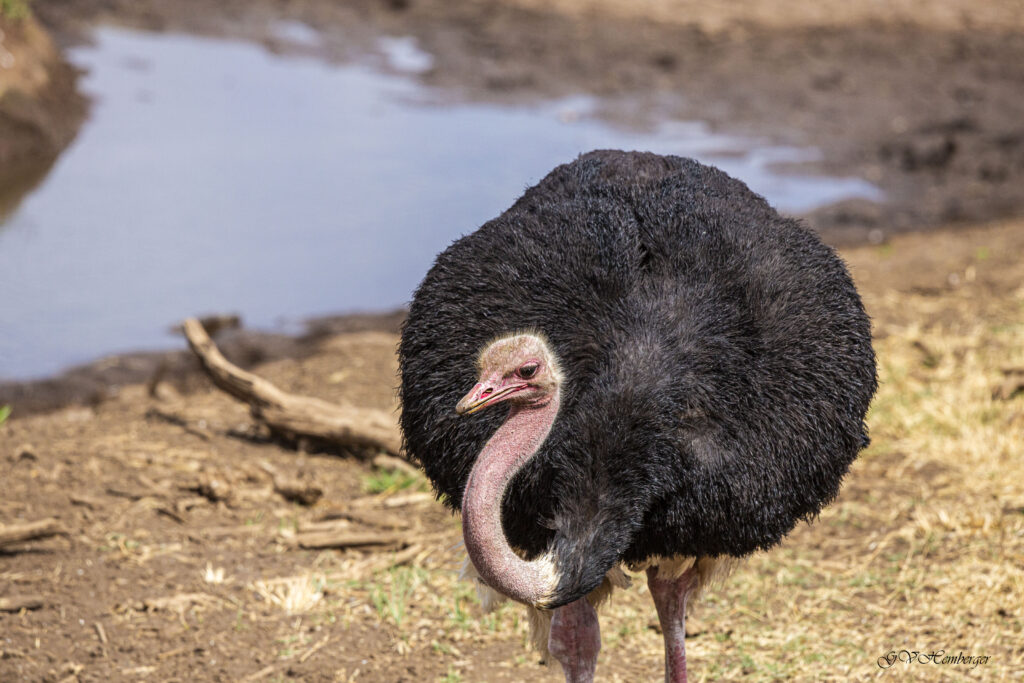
(718, 364)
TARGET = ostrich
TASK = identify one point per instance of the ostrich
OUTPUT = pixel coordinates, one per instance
(639, 364)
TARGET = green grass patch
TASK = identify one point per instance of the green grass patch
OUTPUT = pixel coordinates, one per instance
(14, 9)
(452, 676)
(391, 600)
(5, 412)
(389, 481)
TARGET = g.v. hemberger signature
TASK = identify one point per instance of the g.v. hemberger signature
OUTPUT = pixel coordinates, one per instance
(933, 657)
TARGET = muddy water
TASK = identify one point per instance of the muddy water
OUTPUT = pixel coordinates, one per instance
(215, 176)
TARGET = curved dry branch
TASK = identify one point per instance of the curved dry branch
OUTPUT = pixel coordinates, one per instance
(290, 414)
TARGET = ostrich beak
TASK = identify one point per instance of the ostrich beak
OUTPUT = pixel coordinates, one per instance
(484, 395)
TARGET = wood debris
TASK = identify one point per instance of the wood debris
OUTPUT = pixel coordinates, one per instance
(16, 603)
(19, 533)
(343, 538)
(291, 415)
(375, 518)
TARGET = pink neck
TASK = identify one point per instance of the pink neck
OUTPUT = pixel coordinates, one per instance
(515, 442)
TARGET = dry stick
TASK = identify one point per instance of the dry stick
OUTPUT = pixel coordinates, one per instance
(403, 556)
(262, 673)
(413, 554)
(331, 524)
(102, 635)
(16, 603)
(309, 653)
(392, 501)
(291, 414)
(371, 518)
(407, 499)
(16, 533)
(175, 652)
(85, 501)
(349, 539)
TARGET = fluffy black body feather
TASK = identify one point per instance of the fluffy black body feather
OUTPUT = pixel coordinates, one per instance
(718, 364)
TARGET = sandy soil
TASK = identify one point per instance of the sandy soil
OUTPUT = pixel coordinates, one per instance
(180, 561)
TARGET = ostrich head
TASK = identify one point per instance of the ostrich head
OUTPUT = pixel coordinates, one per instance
(520, 368)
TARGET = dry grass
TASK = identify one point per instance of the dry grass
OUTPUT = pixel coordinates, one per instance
(293, 594)
(923, 551)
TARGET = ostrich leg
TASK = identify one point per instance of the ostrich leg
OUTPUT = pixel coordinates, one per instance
(575, 640)
(670, 600)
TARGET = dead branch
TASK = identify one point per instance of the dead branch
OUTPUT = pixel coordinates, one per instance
(409, 555)
(262, 673)
(369, 518)
(17, 533)
(85, 501)
(414, 555)
(171, 514)
(309, 653)
(16, 603)
(315, 540)
(293, 415)
(407, 499)
(391, 501)
(332, 524)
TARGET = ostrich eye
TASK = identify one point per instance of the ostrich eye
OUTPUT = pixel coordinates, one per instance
(528, 371)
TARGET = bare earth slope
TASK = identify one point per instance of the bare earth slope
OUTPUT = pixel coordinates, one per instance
(39, 109)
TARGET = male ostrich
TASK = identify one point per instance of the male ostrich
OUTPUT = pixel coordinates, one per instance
(662, 373)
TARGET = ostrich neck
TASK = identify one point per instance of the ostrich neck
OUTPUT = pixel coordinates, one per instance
(516, 441)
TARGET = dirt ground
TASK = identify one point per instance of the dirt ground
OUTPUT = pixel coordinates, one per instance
(179, 559)
(180, 562)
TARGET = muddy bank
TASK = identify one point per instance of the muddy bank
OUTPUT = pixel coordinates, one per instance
(102, 380)
(40, 110)
(926, 100)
